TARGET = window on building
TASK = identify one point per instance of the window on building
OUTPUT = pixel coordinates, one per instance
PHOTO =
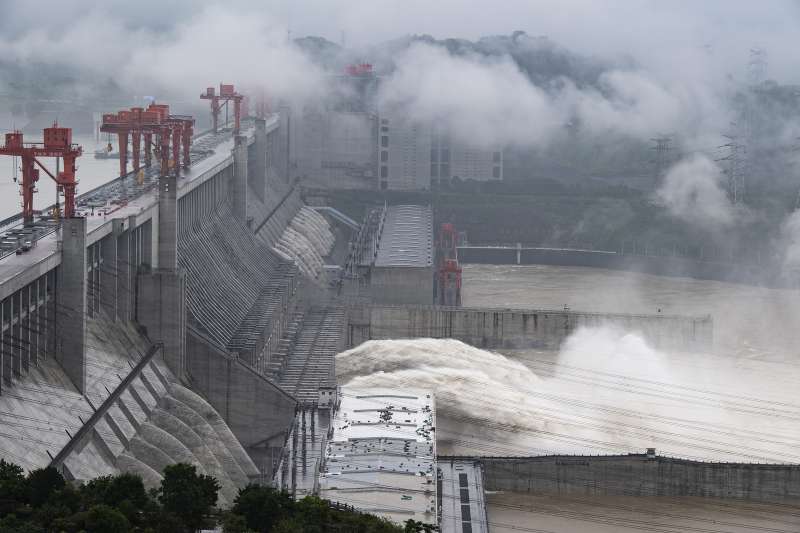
(434, 155)
(445, 155)
(496, 172)
(444, 170)
(384, 156)
(384, 171)
(384, 129)
(384, 121)
(496, 157)
(434, 170)
(384, 185)
(384, 141)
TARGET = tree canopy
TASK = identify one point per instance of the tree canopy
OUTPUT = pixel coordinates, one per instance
(43, 502)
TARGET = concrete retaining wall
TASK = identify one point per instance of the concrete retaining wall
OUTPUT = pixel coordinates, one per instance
(514, 328)
(257, 411)
(662, 266)
(401, 285)
(638, 475)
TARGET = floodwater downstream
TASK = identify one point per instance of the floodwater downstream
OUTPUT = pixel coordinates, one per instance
(749, 322)
(607, 391)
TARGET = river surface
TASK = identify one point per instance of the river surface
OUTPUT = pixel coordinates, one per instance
(606, 391)
(749, 322)
(91, 173)
(738, 398)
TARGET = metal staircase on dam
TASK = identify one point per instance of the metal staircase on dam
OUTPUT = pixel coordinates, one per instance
(283, 352)
(311, 363)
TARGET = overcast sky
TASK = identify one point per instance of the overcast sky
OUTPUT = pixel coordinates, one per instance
(687, 55)
(655, 31)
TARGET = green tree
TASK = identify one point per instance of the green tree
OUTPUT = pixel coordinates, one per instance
(313, 514)
(12, 524)
(187, 495)
(13, 488)
(262, 507)
(234, 523)
(105, 519)
(413, 526)
(113, 490)
(42, 483)
(291, 525)
(124, 492)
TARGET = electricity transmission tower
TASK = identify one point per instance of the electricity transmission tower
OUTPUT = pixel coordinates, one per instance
(741, 147)
(663, 155)
(735, 167)
(757, 66)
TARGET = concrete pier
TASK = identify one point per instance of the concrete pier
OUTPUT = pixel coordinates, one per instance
(257, 175)
(71, 303)
(162, 311)
(162, 292)
(109, 282)
(167, 223)
(239, 188)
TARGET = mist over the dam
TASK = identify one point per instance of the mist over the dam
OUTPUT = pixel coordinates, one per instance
(606, 390)
(399, 266)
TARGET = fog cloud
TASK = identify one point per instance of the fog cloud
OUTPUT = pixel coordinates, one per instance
(489, 100)
(684, 57)
(693, 191)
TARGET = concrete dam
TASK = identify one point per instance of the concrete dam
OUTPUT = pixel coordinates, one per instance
(198, 318)
(168, 327)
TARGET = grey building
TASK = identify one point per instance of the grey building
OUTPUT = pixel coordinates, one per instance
(350, 142)
(335, 148)
(417, 155)
(403, 269)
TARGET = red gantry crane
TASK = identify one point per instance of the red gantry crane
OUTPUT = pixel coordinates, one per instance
(226, 94)
(448, 282)
(57, 143)
(155, 122)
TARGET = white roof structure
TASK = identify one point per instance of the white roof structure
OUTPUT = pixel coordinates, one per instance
(407, 237)
(381, 457)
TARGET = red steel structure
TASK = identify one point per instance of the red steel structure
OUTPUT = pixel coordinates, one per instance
(448, 275)
(155, 122)
(359, 69)
(227, 93)
(57, 142)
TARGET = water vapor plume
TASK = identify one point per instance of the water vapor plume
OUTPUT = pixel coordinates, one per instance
(487, 100)
(693, 191)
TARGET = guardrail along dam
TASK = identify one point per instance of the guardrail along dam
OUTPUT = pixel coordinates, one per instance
(211, 315)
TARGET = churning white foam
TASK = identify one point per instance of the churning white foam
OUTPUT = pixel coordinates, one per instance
(306, 240)
(606, 391)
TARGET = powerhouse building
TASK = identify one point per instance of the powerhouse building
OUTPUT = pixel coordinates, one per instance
(381, 456)
(351, 141)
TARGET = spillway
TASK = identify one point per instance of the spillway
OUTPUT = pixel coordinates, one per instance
(605, 392)
(157, 422)
(306, 241)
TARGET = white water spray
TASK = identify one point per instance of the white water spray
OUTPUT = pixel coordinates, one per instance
(306, 241)
(605, 392)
